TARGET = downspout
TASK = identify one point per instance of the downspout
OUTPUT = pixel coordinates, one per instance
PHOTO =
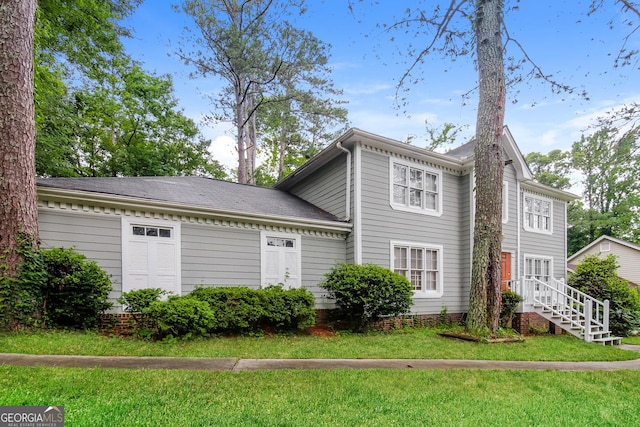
(348, 181)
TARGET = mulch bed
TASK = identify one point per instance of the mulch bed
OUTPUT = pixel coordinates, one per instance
(320, 331)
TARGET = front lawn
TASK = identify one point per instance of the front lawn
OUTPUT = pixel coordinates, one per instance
(115, 397)
(401, 344)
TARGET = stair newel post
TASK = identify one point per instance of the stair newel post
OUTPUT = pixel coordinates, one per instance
(588, 307)
(605, 316)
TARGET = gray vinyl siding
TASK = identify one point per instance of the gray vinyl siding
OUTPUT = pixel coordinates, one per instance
(381, 224)
(318, 256)
(219, 256)
(327, 188)
(96, 236)
(466, 246)
(510, 228)
(545, 245)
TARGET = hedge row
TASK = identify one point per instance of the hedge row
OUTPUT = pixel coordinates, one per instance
(220, 310)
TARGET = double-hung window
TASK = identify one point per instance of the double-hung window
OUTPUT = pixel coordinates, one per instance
(538, 267)
(415, 188)
(538, 214)
(421, 264)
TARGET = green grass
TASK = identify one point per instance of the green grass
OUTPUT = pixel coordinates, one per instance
(109, 397)
(632, 340)
(408, 343)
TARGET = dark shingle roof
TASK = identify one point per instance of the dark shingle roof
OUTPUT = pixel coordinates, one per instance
(463, 152)
(201, 192)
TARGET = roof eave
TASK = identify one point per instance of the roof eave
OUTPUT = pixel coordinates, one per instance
(180, 209)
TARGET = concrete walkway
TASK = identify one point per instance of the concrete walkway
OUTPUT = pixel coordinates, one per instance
(231, 364)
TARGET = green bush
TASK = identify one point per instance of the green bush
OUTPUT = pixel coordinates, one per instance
(287, 309)
(237, 309)
(181, 317)
(21, 297)
(365, 293)
(241, 309)
(597, 278)
(137, 302)
(76, 292)
(508, 306)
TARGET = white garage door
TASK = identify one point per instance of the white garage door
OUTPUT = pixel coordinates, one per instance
(150, 255)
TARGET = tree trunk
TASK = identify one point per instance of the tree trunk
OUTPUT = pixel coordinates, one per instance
(18, 201)
(486, 276)
(240, 146)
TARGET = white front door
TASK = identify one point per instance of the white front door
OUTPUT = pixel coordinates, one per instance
(281, 259)
(150, 255)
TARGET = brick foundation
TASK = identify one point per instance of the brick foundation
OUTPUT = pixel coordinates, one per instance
(116, 321)
(533, 323)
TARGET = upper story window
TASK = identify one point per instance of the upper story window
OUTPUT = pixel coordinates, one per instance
(538, 214)
(605, 247)
(415, 188)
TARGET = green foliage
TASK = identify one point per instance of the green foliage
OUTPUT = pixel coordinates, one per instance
(98, 113)
(76, 292)
(597, 277)
(236, 308)
(608, 163)
(287, 309)
(241, 309)
(139, 300)
(21, 297)
(137, 303)
(365, 293)
(508, 307)
(180, 317)
(54, 287)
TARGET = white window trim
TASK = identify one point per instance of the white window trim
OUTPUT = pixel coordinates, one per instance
(525, 224)
(505, 202)
(605, 246)
(263, 259)
(405, 208)
(127, 223)
(440, 287)
(534, 256)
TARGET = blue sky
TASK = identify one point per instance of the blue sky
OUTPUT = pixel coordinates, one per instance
(577, 49)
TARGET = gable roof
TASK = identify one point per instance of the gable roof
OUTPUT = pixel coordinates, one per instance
(459, 159)
(600, 239)
(204, 194)
(466, 152)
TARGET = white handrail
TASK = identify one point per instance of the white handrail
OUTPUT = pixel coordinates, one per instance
(570, 304)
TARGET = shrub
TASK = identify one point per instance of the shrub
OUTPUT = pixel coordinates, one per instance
(241, 309)
(365, 293)
(287, 309)
(597, 277)
(181, 317)
(508, 307)
(21, 297)
(76, 292)
(136, 302)
(236, 309)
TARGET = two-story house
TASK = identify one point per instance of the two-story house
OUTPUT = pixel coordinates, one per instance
(363, 199)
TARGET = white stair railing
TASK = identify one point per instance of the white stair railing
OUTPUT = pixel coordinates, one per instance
(569, 305)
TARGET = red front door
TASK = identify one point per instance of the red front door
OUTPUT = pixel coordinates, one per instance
(506, 270)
